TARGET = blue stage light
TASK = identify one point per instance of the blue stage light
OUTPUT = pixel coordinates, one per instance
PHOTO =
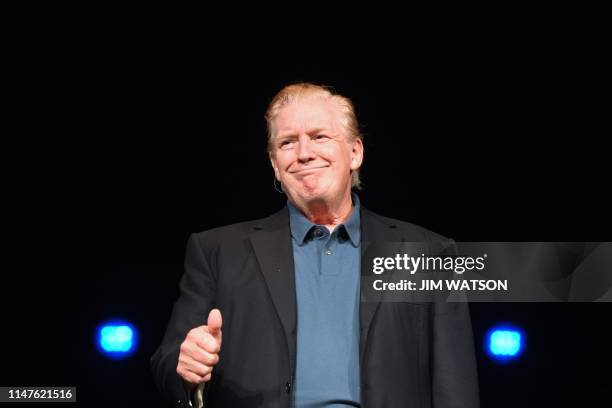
(117, 339)
(505, 343)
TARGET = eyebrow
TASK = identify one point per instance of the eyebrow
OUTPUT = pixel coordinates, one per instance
(309, 131)
(316, 130)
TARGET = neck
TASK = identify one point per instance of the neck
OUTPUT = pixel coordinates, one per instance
(329, 213)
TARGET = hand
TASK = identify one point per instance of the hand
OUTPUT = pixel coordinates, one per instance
(199, 352)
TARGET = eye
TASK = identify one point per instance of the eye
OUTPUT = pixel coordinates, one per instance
(285, 144)
(321, 137)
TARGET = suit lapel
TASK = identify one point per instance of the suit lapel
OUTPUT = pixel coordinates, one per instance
(271, 242)
(372, 231)
(272, 245)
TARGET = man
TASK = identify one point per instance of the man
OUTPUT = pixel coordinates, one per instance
(270, 312)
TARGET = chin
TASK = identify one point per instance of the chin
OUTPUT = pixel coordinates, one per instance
(314, 191)
(316, 194)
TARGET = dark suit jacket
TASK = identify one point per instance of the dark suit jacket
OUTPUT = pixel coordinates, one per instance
(411, 354)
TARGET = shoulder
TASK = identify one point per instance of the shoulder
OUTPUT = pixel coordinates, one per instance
(238, 232)
(407, 230)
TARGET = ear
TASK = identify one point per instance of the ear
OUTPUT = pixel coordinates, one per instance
(356, 154)
(274, 166)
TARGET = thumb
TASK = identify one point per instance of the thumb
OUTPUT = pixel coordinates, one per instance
(214, 323)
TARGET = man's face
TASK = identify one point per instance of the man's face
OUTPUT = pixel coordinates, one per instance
(310, 154)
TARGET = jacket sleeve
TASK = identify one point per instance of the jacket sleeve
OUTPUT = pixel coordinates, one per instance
(455, 379)
(196, 299)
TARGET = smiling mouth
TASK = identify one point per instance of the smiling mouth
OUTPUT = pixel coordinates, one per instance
(307, 170)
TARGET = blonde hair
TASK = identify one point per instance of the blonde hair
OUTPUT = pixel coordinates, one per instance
(291, 93)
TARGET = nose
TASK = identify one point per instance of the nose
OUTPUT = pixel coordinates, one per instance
(305, 151)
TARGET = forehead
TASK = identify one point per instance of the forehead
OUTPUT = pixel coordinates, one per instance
(313, 112)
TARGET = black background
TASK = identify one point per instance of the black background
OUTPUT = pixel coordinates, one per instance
(135, 130)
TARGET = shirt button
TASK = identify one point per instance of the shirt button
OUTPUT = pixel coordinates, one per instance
(328, 252)
(287, 387)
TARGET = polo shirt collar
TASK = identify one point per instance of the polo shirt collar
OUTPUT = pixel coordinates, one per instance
(300, 226)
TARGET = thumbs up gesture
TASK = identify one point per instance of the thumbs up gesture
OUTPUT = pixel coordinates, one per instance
(199, 352)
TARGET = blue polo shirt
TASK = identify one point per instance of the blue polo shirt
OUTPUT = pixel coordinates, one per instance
(327, 270)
